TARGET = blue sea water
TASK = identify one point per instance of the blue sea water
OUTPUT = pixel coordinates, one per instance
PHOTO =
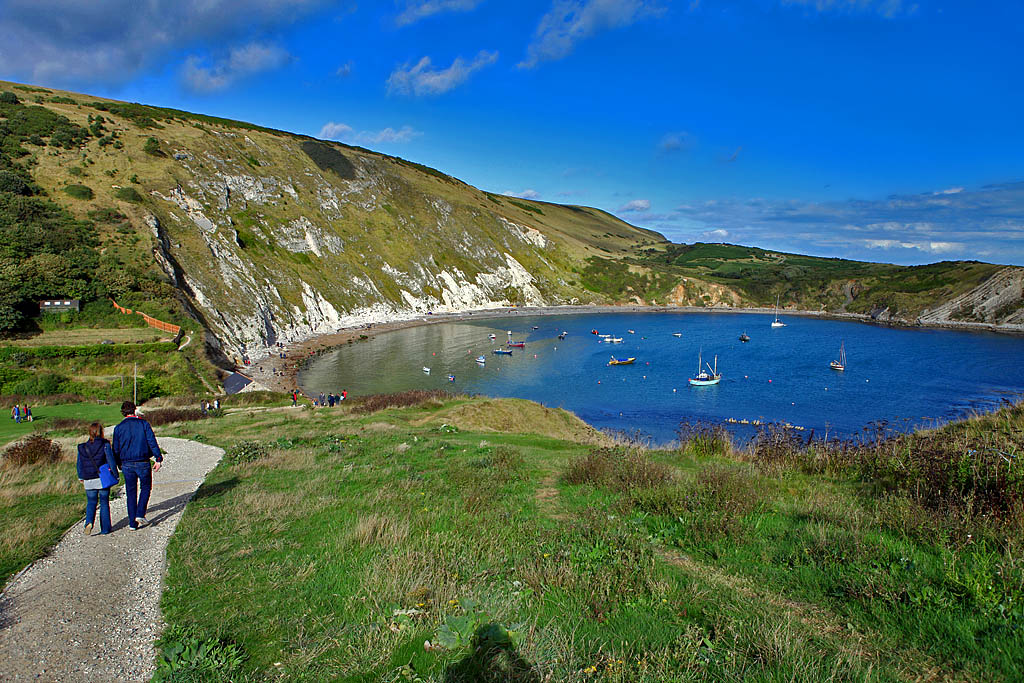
(904, 377)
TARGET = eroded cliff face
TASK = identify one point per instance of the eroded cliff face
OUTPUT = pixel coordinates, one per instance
(997, 301)
(272, 247)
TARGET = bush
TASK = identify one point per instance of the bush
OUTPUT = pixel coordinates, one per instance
(403, 399)
(618, 470)
(152, 147)
(128, 194)
(79, 192)
(246, 451)
(31, 450)
(165, 416)
(7, 97)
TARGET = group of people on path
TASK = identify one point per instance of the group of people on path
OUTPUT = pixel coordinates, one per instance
(131, 450)
(207, 406)
(330, 400)
(21, 413)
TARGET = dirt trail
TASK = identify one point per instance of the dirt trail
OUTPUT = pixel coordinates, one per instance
(90, 611)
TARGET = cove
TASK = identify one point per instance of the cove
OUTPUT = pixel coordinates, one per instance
(902, 378)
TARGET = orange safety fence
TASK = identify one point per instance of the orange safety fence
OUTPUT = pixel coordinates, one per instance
(150, 320)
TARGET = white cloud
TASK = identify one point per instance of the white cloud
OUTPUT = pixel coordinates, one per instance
(240, 62)
(71, 42)
(636, 205)
(570, 21)
(886, 8)
(952, 190)
(420, 79)
(525, 194)
(345, 70)
(928, 247)
(421, 9)
(718, 234)
(341, 131)
(675, 142)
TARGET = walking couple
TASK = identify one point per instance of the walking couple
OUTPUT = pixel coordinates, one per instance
(133, 445)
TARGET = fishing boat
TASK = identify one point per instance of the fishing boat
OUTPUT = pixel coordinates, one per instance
(516, 345)
(744, 337)
(777, 322)
(703, 378)
(503, 352)
(677, 334)
(622, 361)
(426, 369)
(841, 363)
(481, 360)
(562, 336)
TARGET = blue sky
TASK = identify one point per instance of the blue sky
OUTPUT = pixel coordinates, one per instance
(886, 130)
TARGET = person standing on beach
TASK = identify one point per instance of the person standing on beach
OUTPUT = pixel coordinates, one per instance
(93, 454)
(134, 444)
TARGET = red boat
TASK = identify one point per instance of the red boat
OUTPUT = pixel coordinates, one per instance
(516, 345)
(593, 332)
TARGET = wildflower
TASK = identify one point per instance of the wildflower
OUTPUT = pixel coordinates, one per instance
(547, 554)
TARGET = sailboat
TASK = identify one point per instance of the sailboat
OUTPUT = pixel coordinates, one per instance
(777, 322)
(703, 378)
(841, 363)
(744, 337)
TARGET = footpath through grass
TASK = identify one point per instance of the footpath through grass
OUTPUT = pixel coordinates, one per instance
(397, 546)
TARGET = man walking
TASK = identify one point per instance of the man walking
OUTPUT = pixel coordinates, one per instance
(134, 444)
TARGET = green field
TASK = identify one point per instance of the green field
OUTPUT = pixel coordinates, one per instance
(108, 414)
(446, 542)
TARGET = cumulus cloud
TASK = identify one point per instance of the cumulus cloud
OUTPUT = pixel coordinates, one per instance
(636, 205)
(341, 131)
(525, 194)
(886, 8)
(70, 41)
(419, 79)
(717, 235)
(570, 21)
(421, 9)
(246, 60)
(985, 223)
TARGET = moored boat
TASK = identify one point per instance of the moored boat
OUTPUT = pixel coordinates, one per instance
(426, 369)
(677, 334)
(704, 378)
(744, 337)
(516, 345)
(841, 363)
(503, 352)
(777, 322)
(481, 360)
(622, 361)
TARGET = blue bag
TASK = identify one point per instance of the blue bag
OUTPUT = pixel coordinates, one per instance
(108, 478)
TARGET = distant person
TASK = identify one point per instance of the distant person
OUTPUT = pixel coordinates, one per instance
(134, 444)
(16, 413)
(27, 413)
(216, 404)
(91, 456)
(204, 406)
(295, 398)
(344, 394)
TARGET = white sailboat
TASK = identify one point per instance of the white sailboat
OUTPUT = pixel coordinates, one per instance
(841, 363)
(777, 322)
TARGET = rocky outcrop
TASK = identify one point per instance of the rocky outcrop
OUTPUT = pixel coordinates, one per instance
(998, 300)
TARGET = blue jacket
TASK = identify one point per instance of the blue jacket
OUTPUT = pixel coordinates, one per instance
(134, 441)
(91, 455)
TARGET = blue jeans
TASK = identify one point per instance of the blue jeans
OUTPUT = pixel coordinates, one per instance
(103, 496)
(137, 474)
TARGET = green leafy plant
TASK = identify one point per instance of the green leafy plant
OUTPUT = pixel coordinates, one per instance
(186, 654)
(246, 451)
(79, 192)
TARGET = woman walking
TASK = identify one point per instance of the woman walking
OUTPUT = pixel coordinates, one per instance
(93, 454)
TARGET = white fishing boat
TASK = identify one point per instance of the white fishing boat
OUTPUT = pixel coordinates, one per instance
(705, 378)
(841, 363)
(677, 334)
(426, 369)
(777, 322)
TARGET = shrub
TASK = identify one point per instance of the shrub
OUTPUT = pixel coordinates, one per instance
(618, 470)
(246, 451)
(128, 194)
(152, 147)
(186, 654)
(79, 192)
(165, 416)
(7, 97)
(13, 183)
(31, 450)
(403, 399)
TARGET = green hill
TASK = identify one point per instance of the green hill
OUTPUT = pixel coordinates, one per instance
(258, 236)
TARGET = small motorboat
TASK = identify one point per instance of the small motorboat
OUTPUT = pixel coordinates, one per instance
(503, 352)
(492, 336)
(451, 378)
(562, 336)
(426, 369)
(631, 331)
(613, 340)
(622, 361)
(744, 337)
(516, 345)
(481, 360)
(604, 336)
(593, 332)
(535, 327)
(677, 334)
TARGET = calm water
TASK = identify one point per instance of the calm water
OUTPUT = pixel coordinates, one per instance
(907, 377)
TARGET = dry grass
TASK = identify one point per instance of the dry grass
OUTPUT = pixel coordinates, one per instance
(375, 529)
(618, 470)
(517, 416)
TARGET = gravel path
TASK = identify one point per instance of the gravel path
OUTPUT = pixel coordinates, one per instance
(90, 610)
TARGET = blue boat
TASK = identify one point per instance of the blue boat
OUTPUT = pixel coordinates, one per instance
(503, 352)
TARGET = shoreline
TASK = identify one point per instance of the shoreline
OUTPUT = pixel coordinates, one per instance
(277, 374)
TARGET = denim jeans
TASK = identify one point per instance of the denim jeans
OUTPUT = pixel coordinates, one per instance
(137, 474)
(103, 496)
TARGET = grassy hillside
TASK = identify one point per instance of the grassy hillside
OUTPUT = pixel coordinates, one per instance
(407, 544)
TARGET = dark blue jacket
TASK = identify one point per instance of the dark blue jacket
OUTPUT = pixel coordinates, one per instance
(91, 455)
(134, 441)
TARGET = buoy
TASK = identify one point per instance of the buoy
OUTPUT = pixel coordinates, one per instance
(673, 391)
(598, 381)
(769, 381)
(745, 377)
